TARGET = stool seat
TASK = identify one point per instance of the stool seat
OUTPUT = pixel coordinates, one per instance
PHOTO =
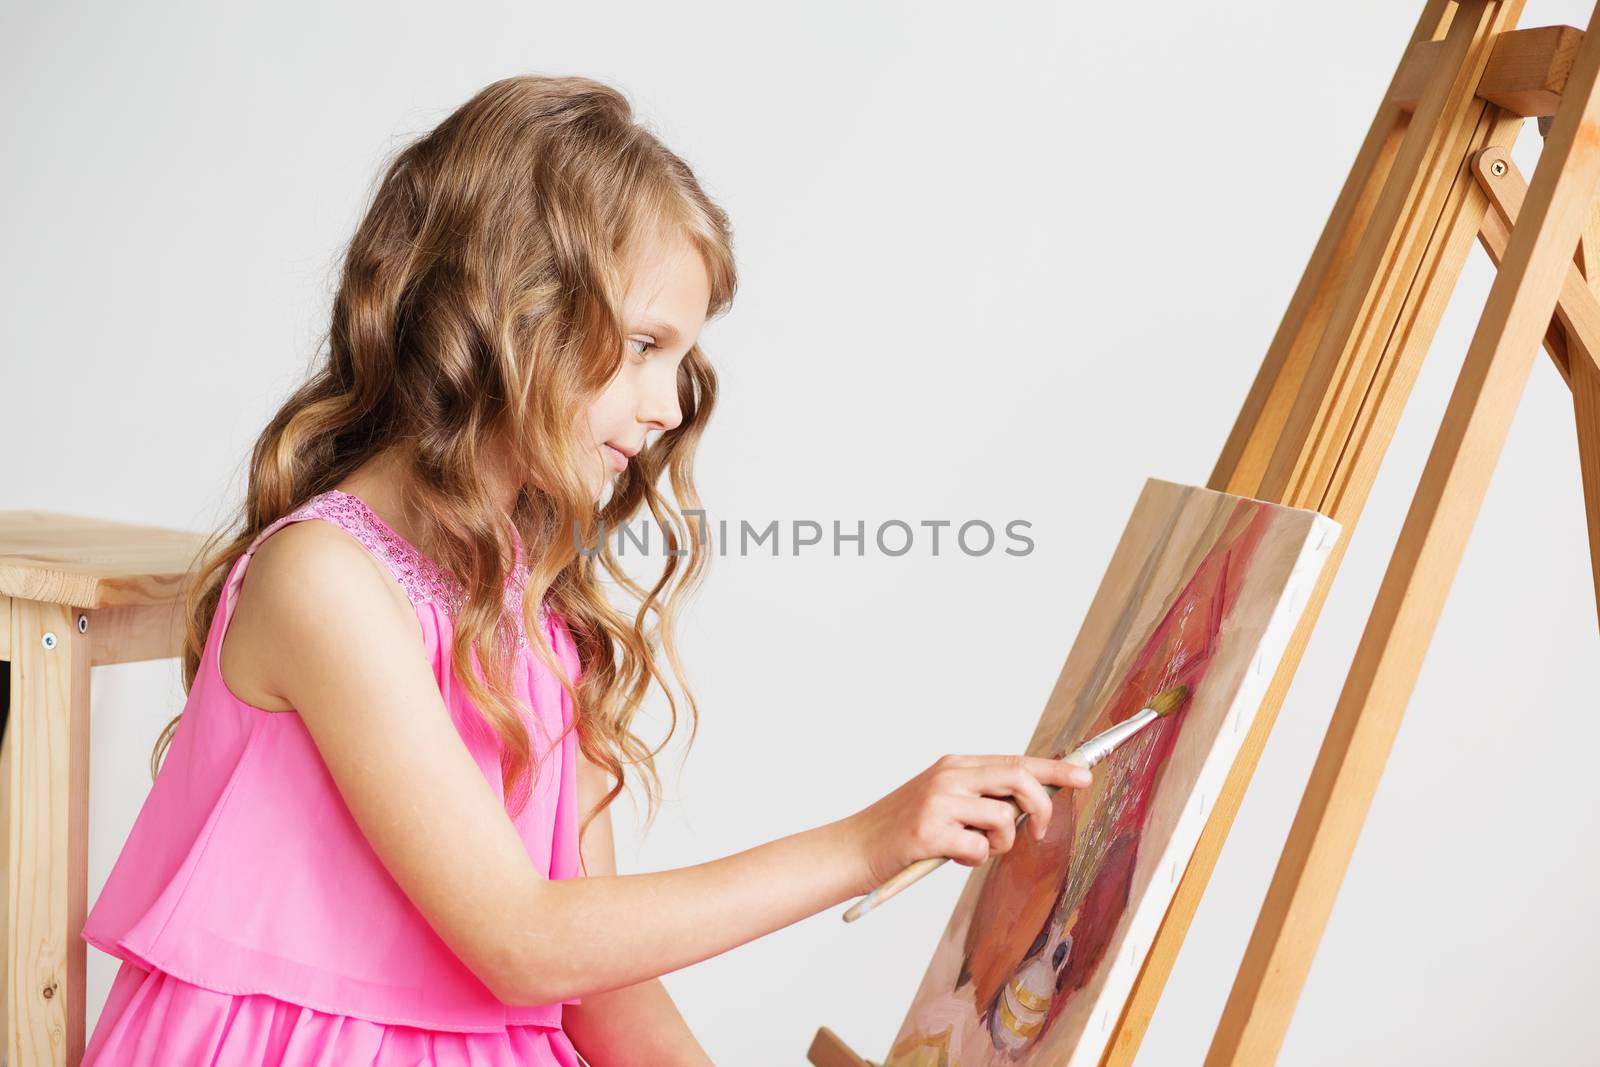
(75, 592)
(91, 563)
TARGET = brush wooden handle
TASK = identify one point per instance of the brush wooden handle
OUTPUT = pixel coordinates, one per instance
(911, 873)
(893, 886)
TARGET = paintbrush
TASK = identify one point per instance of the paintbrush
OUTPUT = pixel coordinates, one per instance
(1085, 755)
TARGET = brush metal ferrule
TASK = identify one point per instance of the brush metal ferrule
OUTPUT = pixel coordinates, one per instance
(1104, 743)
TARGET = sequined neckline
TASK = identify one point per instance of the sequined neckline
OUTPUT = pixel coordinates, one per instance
(421, 577)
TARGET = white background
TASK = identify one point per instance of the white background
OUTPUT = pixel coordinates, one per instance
(996, 263)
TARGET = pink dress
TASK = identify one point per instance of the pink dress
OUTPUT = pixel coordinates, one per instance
(255, 923)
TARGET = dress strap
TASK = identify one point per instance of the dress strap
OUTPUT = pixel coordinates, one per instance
(423, 580)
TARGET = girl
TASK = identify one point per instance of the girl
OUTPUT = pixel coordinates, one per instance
(364, 843)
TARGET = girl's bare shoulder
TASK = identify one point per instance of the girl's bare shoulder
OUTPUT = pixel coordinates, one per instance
(297, 578)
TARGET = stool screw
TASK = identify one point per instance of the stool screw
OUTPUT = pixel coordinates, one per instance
(83, 624)
(49, 641)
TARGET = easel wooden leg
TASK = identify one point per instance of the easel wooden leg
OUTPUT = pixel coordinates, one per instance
(1585, 382)
(1310, 466)
(1429, 550)
(1586, 408)
(829, 1050)
(1261, 420)
(1573, 338)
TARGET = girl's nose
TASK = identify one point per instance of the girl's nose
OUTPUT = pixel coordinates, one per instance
(660, 406)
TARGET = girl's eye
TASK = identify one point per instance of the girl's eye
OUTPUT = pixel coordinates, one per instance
(645, 341)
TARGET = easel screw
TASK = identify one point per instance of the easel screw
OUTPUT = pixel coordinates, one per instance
(49, 641)
(83, 624)
(1498, 168)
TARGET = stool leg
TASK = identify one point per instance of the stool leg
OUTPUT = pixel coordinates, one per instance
(5, 831)
(47, 787)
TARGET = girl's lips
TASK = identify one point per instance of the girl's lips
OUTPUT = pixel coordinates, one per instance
(619, 462)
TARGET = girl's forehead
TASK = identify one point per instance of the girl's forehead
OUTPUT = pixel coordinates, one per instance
(658, 248)
(669, 282)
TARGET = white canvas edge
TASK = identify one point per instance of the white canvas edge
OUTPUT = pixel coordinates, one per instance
(1152, 908)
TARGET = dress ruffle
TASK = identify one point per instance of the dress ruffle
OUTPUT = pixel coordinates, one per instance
(163, 1021)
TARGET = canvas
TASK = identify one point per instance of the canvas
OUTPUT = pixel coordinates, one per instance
(1204, 590)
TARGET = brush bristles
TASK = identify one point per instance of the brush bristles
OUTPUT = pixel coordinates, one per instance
(1169, 700)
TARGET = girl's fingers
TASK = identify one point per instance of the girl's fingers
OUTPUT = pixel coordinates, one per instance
(1021, 778)
(1056, 772)
(994, 819)
(1023, 788)
(997, 779)
(964, 760)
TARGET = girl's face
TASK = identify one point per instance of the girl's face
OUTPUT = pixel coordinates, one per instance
(663, 311)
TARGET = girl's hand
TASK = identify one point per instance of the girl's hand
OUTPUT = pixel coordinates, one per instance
(956, 808)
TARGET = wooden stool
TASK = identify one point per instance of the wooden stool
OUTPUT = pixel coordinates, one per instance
(75, 593)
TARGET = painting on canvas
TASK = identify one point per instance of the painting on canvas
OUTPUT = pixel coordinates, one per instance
(1203, 590)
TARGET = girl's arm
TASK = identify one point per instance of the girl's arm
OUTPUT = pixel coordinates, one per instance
(344, 650)
(637, 1023)
(336, 640)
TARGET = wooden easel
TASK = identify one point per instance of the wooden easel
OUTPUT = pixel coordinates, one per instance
(1433, 174)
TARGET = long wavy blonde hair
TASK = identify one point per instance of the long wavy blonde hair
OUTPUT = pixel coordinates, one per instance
(478, 314)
